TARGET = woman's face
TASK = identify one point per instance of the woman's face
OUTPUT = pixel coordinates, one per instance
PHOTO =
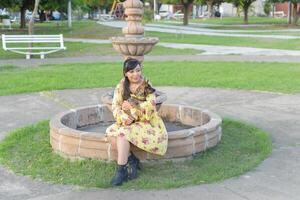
(134, 75)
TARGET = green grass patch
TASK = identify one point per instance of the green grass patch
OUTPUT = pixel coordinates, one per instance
(77, 49)
(240, 20)
(250, 28)
(7, 68)
(27, 151)
(291, 44)
(264, 76)
(283, 33)
(80, 29)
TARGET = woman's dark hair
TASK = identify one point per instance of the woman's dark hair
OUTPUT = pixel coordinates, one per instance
(128, 65)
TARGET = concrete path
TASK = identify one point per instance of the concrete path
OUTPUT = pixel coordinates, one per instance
(197, 31)
(222, 53)
(93, 59)
(277, 178)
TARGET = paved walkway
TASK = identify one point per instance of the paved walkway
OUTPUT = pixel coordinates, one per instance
(93, 59)
(200, 30)
(277, 178)
(212, 53)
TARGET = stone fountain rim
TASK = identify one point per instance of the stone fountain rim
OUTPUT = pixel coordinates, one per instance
(213, 123)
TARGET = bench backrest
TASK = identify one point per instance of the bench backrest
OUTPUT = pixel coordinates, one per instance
(6, 39)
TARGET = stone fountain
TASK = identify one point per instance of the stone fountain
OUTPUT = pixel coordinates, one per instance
(134, 44)
(80, 132)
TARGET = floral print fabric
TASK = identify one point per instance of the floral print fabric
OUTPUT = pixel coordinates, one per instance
(147, 132)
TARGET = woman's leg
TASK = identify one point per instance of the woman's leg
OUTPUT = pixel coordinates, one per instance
(123, 147)
(121, 175)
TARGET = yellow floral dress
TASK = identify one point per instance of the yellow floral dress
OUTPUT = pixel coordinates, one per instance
(148, 132)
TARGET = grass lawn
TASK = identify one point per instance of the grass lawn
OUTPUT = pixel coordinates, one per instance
(240, 20)
(292, 44)
(275, 77)
(75, 49)
(28, 152)
(285, 33)
(92, 30)
(252, 27)
(80, 29)
(202, 23)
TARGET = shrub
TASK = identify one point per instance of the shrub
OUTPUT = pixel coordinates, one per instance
(148, 16)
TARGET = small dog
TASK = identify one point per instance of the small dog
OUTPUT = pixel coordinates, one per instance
(140, 96)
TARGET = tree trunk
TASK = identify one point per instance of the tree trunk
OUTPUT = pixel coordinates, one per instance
(238, 11)
(90, 14)
(210, 8)
(186, 13)
(197, 10)
(296, 13)
(23, 20)
(158, 7)
(246, 15)
(42, 16)
(31, 22)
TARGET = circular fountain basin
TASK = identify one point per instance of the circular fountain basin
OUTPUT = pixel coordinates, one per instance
(80, 132)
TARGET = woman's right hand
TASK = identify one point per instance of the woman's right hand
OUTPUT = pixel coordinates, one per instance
(126, 105)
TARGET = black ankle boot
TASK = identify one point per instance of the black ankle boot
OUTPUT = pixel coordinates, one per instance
(120, 176)
(134, 165)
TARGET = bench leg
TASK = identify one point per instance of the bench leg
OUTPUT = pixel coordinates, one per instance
(27, 56)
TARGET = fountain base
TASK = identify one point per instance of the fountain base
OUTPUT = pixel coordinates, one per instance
(80, 133)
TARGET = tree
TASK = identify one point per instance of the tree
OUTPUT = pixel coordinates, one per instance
(59, 5)
(95, 5)
(31, 21)
(295, 11)
(210, 5)
(268, 7)
(245, 4)
(186, 5)
(21, 5)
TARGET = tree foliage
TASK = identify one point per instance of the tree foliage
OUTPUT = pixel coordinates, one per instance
(186, 4)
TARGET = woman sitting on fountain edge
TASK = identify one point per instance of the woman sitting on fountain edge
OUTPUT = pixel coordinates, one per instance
(146, 130)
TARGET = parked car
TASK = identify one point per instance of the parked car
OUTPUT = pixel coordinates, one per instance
(55, 15)
(28, 16)
(58, 16)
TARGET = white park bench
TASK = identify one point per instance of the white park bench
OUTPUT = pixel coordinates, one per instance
(279, 14)
(46, 40)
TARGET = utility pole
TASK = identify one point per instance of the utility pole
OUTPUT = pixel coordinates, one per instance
(69, 14)
(154, 9)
